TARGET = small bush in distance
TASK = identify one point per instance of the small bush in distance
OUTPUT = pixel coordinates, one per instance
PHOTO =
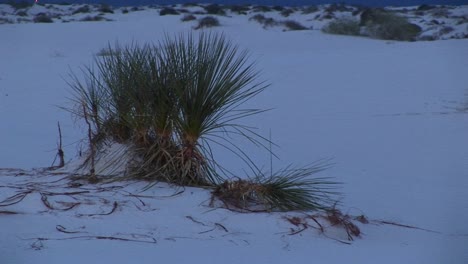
(188, 17)
(265, 21)
(207, 22)
(105, 8)
(168, 11)
(310, 9)
(286, 12)
(239, 9)
(343, 26)
(382, 24)
(42, 18)
(293, 25)
(93, 18)
(261, 8)
(83, 9)
(214, 9)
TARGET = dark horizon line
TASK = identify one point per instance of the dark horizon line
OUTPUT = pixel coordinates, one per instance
(369, 3)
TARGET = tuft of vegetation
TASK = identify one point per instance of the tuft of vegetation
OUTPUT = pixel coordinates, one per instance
(207, 22)
(125, 11)
(93, 18)
(105, 8)
(22, 13)
(188, 17)
(265, 21)
(168, 11)
(214, 9)
(42, 18)
(261, 9)
(293, 25)
(240, 9)
(82, 9)
(286, 12)
(383, 24)
(343, 26)
(310, 9)
(169, 104)
(425, 7)
(287, 190)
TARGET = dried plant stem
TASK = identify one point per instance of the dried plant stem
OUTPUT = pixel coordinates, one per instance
(60, 152)
(92, 148)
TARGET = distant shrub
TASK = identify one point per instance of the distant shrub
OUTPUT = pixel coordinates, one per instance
(104, 8)
(343, 26)
(42, 18)
(188, 18)
(207, 22)
(168, 11)
(425, 7)
(214, 9)
(286, 12)
(310, 10)
(265, 21)
(124, 11)
(93, 18)
(22, 13)
(135, 8)
(261, 9)
(278, 8)
(83, 9)
(382, 24)
(240, 9)
(293, 25)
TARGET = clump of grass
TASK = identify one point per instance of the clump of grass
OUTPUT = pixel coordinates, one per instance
(22, 13)
(214, 9)
(310, 9)
(83, 9)
(286, 190)
(93, 18)
(265, 21)
(165, 101)
(42, 18)
(207, 22)
(188, 17)
(383, 24)
(286, 12)
(168, 104)
(240, 9)
(293, 25)
(343, 26)
(105, 8)
(168, 11)
(261, 8)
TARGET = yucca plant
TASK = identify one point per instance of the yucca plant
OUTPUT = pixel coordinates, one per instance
(169, 103)
(168, 100)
